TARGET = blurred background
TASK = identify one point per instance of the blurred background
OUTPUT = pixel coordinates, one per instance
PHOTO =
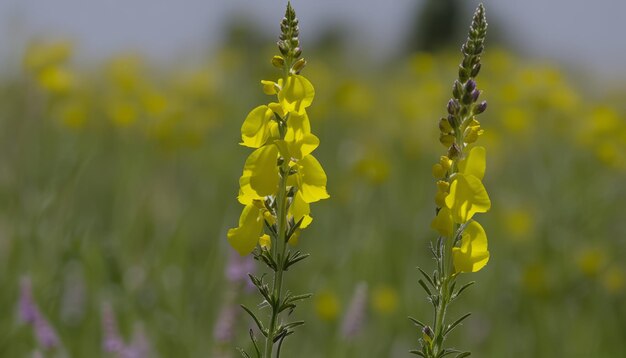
(119, 167)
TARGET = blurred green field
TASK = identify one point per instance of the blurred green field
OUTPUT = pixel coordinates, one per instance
(118, 182)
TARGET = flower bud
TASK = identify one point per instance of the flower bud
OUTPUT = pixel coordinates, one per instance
(457, 89)
(475, 70)
(453, 106)
(438, 171)
(454, 151)
(428, 335)
(470, 86)
(445, 127)
(278, 62)
(446, 139)
(480, 108)
(298, 66)
(297, 52)
(475, 94)
(445, 162)
(265, 242)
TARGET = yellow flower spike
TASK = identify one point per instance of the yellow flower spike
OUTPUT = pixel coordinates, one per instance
(265, 242)
(260, 175)
(258, 127)
(472, 255)
(442, 223)
(474, 163)
(311, 179)
(270, 87)
(467, 197)
(296, 95)
(244, 238)
(300, 209)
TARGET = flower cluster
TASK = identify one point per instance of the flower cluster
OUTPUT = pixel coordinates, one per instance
(281, 166)
(460, 191)
(280, 179)
(462, 243)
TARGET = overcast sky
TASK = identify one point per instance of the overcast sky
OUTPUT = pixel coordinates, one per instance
(586, 33)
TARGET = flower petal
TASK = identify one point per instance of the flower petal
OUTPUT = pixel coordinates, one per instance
(311, 180)
(297, 94)
(472, 255)
(260, 174)
(245, 237)
(257, 127)
(474, 163)
(442, 223)
(467, 197)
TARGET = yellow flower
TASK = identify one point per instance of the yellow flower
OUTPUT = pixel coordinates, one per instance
(442, 223)
(467, 194)
(327, 305)
(258, 127)
(296, 94)
(270, 87)
(300, 210)
(260, 175)
(310, 179)
(474, 164)
(265, 242)
(385, 300)
(298, 141)
(56, 79)
(245, 237)
(472, 255)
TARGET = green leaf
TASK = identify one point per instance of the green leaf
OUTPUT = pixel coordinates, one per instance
(421, 282)
(463, 288)
(427, 277)
(456, 323)
(416, 352)
(417, 322)
(256, 320)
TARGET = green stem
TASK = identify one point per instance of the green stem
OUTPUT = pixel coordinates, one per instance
(281, 246)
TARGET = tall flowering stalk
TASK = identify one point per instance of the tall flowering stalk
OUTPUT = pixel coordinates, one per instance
(462, 243)
(280, 179)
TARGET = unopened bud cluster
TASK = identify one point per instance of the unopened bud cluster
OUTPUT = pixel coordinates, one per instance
(289, 44)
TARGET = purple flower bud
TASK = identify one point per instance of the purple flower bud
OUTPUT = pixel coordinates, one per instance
(453, 106)
(475, 94)
(470, 86)
(29, 312)
(480, 108)
(354, 318)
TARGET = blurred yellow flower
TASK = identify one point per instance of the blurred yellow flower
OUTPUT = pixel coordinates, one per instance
(385, 300)
(591, 260)
(327, 305)
(614, 280)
